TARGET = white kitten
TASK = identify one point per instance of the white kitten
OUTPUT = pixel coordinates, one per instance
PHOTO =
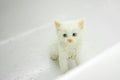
(68, 43)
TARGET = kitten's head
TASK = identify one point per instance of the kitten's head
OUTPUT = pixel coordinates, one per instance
(69, 32)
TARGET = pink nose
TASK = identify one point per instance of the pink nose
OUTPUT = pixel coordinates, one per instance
(69, 40)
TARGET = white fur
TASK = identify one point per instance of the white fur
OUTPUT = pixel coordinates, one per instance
(62, 50)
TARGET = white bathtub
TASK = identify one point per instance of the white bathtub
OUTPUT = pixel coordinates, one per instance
(27, 29)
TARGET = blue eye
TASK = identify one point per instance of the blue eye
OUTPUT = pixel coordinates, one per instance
(64, 35)
(74, 34)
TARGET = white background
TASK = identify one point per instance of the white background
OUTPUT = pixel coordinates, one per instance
(17, 16)
(27, 25)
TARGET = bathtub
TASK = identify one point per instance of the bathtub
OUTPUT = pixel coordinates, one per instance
(27, 30)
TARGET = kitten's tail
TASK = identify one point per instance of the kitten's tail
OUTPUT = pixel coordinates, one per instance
(54, 57)
(54, 51)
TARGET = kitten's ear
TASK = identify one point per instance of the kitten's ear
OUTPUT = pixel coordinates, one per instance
(57, 24)
(81, 23)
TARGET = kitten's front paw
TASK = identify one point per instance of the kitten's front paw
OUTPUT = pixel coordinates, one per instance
(64, 70)
(72, 57)
(77, 60)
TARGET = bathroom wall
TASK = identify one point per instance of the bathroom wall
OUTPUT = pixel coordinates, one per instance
(18, 16)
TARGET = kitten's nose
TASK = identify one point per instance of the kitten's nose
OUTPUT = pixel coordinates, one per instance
(69, 40)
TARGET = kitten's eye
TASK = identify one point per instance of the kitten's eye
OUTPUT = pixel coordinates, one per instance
(64, 35)
(74, 34)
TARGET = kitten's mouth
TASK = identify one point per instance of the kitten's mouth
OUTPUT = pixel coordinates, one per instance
(70, 40)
